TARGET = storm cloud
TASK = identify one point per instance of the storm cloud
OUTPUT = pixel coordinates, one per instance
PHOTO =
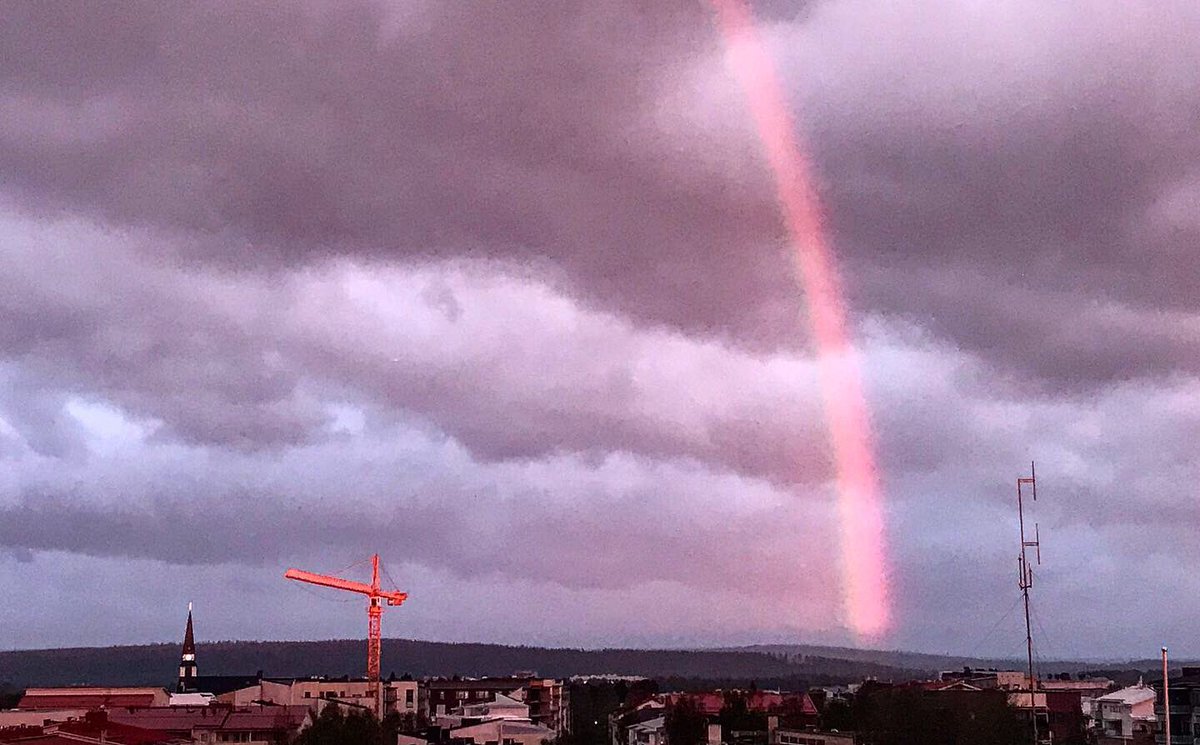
(502, 291)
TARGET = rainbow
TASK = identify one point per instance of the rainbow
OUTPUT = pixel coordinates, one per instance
(865, 591)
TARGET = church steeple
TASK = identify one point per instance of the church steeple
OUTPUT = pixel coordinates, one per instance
(187, 661)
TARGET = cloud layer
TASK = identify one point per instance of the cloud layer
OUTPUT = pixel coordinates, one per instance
(503, 293)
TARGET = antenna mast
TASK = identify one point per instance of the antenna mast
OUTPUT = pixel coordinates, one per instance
(1025, 581)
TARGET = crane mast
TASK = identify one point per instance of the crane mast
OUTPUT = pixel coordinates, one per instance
(376, 598)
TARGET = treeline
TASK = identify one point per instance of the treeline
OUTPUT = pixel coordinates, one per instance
(878, 715)
(155, 664)
(9, 696)
(882, 715)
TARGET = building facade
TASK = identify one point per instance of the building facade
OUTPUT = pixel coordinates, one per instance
(399, 696)
(1124, 717)
(546, 698)
(211, 725)
(811, 737)
(1185, 709)
(91, 698)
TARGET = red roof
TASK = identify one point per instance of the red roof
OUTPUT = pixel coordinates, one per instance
(45, 740)
(83, 702)
(183, 719)
(114, 732)
(20, 732)
(89, 698)
(710, 703)
(267, 718)
(171, 718)
(1065, 701)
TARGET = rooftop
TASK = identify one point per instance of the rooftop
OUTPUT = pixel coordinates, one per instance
(1131, 695)
(187, 718)
(90, 697)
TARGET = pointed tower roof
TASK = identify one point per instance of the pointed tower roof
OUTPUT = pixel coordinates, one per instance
(189, 640)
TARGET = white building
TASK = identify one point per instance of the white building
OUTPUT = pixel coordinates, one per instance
(502, 719)
(190, 699)
(506, 731)
(1120, 716)
(811, 737)
(650, 732)
(502, 707)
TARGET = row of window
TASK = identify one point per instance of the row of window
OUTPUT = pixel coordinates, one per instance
(463, 695)
(408, 695)
(790, 739)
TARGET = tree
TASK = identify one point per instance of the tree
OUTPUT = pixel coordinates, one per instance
(333, 727)
(408, 723)
(736, 714)
(591, 705)
(9, 696)
(685, 724)
(837, 716)
(884, 715)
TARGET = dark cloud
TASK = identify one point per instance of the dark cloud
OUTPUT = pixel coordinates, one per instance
(578, 538)
(453, 130)
(537, 137)
(998, 183)
(249, 362)
(82, 317)
(252, 234)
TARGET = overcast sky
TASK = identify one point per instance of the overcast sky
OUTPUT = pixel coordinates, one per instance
(502, 292)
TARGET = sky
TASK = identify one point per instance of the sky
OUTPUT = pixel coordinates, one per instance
(504, 292)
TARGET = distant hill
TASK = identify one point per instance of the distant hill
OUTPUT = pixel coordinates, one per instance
(912, 660)
(155, 664)
(1122, 671)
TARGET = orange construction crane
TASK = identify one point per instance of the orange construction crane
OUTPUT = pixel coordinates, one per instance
(376, 597)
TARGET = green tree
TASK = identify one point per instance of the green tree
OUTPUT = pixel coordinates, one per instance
(736, 715)
(591, 704)
(884, 715)
(9, 696)
(838, 716)
(356, 727)
(685, 724)
(408, 723)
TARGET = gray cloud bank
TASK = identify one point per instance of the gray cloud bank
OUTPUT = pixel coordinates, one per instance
(248, 248)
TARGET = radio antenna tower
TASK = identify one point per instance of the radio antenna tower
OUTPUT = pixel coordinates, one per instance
(1025, 581)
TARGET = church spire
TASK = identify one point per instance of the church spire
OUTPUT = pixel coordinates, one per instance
(187, 661)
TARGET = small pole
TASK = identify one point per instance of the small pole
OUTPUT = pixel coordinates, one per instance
(1166, 698)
